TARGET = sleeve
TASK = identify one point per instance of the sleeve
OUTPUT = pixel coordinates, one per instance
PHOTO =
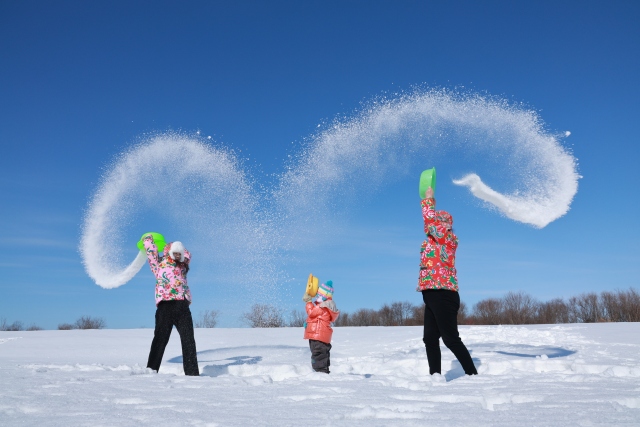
(152, 253)
(313, 310)
(433, 227)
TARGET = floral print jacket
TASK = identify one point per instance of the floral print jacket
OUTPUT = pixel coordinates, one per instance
(438, 251)
(171, 276)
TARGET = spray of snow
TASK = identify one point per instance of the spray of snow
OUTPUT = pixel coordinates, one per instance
(206, 190)
(188, 182)
(392, 135)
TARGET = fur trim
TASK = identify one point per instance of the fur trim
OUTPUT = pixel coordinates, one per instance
(329, 304)
(177, 247)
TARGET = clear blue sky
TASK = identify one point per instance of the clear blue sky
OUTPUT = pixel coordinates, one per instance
(80, 82)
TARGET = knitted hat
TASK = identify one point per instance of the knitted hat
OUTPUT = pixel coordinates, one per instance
(325, 290)
(176, 247)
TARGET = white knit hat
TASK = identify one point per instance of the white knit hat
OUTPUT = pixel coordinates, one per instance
(177, 247)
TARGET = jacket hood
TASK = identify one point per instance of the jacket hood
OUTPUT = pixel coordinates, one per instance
(446, 218)
(330, 305)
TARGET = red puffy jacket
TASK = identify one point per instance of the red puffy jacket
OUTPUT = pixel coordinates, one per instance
(319, 323)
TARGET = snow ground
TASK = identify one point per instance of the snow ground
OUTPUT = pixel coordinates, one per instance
(543, 375)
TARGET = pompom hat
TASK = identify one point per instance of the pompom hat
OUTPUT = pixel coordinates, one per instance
(325, 290)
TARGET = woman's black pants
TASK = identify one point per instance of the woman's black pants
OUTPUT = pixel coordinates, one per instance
(441, 320)
(169, 314)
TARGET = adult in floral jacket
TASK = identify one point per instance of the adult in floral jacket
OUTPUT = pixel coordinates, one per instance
(172, 304)
(438, 283)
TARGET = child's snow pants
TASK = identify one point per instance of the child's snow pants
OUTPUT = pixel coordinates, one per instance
(320, 355)
(169, 314)
(441, 320)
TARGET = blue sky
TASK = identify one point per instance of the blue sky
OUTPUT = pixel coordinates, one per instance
(83, 81)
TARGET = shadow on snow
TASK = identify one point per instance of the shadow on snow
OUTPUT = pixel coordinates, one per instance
(221, 362)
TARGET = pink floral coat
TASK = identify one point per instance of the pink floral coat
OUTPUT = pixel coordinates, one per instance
(171, 277)
(438, 251)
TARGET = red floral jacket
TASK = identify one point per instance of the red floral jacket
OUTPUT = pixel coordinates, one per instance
(438, 251)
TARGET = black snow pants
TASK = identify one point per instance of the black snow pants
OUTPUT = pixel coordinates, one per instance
(441, 320)
(169, 314)
(320, 356)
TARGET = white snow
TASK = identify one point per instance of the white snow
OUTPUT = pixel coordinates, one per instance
(544, 375)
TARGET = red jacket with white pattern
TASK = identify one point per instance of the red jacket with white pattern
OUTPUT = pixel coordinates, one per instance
(438, 251)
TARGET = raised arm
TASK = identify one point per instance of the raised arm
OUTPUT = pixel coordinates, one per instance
(152, 253)
(313, 310)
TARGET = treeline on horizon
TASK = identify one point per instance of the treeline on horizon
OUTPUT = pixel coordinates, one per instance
(515, 308)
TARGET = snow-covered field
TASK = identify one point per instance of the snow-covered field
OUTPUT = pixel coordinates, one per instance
(549, 375)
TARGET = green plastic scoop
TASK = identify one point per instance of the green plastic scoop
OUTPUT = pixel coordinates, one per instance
(427, 179)
(158, 239)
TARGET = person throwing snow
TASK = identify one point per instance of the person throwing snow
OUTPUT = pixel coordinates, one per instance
(173, 298)
(439, 286)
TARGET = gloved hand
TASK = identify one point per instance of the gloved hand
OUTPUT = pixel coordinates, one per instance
(306, 297)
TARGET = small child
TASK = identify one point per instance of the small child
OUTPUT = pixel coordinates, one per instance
(318, 331)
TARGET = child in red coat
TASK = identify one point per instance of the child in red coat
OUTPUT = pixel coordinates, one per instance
(318, 331)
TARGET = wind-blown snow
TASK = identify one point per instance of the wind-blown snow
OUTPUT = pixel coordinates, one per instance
(206, 190)
(189, 180)
(547, 375)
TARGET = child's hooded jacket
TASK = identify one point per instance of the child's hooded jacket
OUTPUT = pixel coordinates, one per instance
(171, 276)
(438, 251)
(320, 316)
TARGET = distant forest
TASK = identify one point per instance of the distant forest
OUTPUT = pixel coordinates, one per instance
(515, 308)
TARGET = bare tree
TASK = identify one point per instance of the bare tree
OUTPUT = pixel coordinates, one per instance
(630, 304)
(343, 320)
(263, 316)
(402, 311)
(15, 326)
(365, 317)
(621, 306)
(586, 308)
(207, 319)
(462, 314)
(88, 322)
(297, 318)
(554, 311)
(519, 308)
(386, 317)
(488, 312)
(66, 326)
(417, 315)
(611, 307)
(34, 327)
